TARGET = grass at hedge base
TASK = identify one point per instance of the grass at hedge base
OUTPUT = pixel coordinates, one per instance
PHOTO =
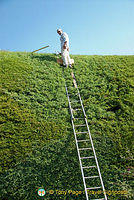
(37, 140)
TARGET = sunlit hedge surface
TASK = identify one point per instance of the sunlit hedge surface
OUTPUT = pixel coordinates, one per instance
(37, 142)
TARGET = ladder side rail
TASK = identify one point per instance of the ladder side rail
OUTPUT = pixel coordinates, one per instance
(96, 160)
(90, 140)
(92, 146)
(76, 143)
(69, 102)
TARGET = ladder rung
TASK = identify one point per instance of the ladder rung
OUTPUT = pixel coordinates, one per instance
(82, 140)
(84, 148)
(74, 101)
(80, 125)
(78, 118)
(81, 118)
(97, 199)
(91, 177)
(81, 132)
(76, 109)
(93, 188)
(89, 167)
(73, 94)
(87, 157)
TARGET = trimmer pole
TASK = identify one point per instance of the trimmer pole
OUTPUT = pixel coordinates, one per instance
(40, 49)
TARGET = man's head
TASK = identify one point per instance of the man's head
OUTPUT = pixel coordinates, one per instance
(59, 31)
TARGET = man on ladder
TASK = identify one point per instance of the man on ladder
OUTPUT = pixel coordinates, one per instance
(64, 48)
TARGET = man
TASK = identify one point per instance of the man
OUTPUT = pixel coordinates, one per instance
(64, 48)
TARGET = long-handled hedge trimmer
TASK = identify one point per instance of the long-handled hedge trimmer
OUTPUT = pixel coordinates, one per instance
(59, 60)
(40, 49)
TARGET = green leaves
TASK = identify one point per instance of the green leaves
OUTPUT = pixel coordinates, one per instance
(32, 104)
(37, 141)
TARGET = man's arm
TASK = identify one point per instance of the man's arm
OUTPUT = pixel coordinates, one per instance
(65, 38)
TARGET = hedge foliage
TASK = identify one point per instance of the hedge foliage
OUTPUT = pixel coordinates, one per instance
(37, 142)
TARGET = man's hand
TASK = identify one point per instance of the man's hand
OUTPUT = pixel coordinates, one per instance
(64, 46)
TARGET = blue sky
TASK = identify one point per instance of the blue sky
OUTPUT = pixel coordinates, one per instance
(102, 27)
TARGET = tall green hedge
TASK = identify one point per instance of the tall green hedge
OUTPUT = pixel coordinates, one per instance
(37, 142)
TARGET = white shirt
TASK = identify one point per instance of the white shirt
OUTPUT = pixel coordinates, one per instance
(64, 37)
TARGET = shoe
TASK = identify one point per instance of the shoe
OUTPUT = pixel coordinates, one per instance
(65, 66)
(70, 66)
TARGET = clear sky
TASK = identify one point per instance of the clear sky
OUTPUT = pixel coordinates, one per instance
(102, 27)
